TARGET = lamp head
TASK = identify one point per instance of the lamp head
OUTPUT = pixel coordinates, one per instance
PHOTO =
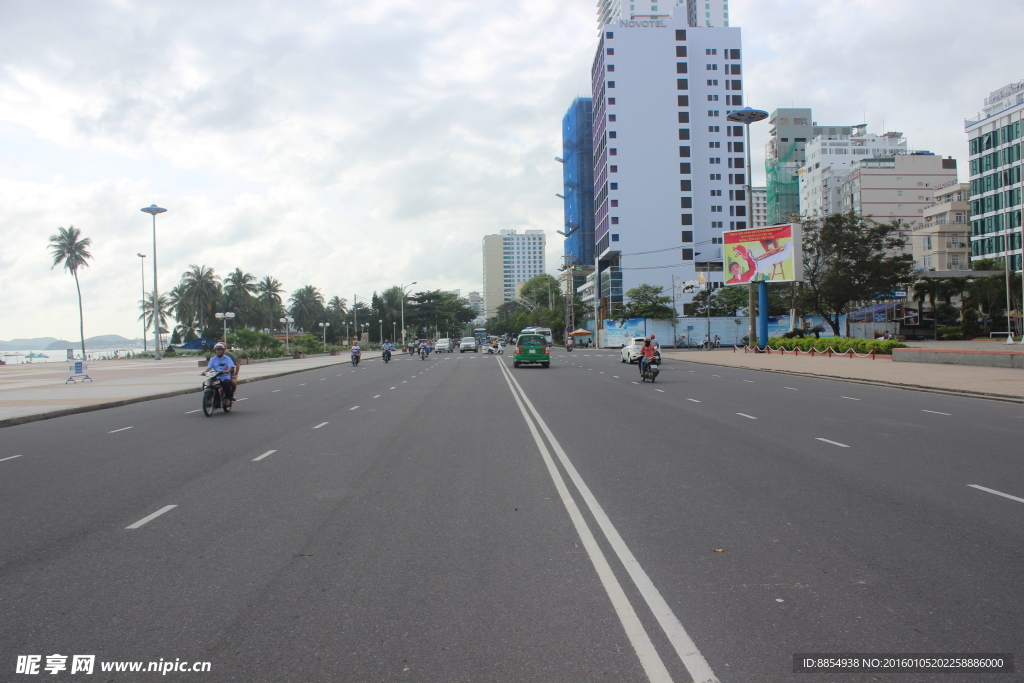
(153, 210)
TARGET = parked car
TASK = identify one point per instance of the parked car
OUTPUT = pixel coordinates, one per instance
(444, 345)
(631, 352)
(468, 344)
(532, 348)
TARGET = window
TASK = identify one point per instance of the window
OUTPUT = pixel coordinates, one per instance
(716, 176)
(716, 193)
(684, 185)
(684, 151)
(712, 113)
(680, 50)
(682, 84)
(680, 67)
(687, 236)
(686, 202)
(680, 34)
(712, 81)
(611, 84)
(717, 224)
(613, 152)
(686, 219)
(612, 134)
(609, 35)
(611, 67)
(684, 168)
(715, 160)
(687, 254)
(615, 220)
(712, 129)
(610, 51)
(683, 100)
(611, 100)
(611, 118)
(684, 133)
(714, 144)
(711, 67)
(712, 98)
(684, 117)
(613, 169)
(716, 240)
(615, 237)
(716, 209)
(711, 51)
(613, 186)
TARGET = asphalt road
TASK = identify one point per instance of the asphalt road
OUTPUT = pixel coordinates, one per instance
(456, 519)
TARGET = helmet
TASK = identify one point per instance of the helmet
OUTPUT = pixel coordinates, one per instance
(219, 345)
(652, 336)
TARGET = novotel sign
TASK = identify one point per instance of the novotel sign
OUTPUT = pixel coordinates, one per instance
(646, 23)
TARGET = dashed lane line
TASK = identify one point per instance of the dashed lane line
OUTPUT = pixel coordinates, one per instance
(321, 425)
(377, 396)
(150, 518)
(11, 457)
(749, 417)
(850, 398)
(791, 388)
(264, 455)
(693, 399)
(119, 430)
(661, 390)
(834, 443)
(189, 412)
(353, 407)
(998, 493)
(935, 412)
(275, 391)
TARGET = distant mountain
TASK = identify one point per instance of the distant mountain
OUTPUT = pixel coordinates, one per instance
(27, 344)
(103, 341)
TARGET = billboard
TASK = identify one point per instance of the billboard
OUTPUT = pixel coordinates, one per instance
(772, 254)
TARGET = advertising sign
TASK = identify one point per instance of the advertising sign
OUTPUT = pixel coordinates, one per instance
(772, 254)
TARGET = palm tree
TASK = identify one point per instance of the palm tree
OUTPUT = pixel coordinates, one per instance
(270, 291)
(178, 306)
(239, 288)
(202, 289)
(69, 248)
(307, 307)
(931, 289)
(146, 306)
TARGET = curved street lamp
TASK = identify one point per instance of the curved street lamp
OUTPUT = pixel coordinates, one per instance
(153, 210)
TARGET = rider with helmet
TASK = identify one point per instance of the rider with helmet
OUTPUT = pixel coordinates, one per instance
(648, 353)
(225, 368)
(387, 348)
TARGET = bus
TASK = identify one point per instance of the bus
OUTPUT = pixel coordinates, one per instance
(546, 331)
(481, 336)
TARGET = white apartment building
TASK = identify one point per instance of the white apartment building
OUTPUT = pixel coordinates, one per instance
(706, 13)
(510, 259)
(943, 241)
(669, 168)
(828, 158)
(759, 205)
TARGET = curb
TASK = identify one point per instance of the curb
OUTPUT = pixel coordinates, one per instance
(1005, 398)
(64, 412)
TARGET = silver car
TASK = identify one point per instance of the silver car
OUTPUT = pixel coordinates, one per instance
(443, 345)
(468, 344)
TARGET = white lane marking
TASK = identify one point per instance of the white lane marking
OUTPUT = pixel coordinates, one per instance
(661, 390)
(377, 396)
(150, 518)
(320, 425)
(119, 430)
(275, 391)
(746, 416)
(850, 398)
(935, 412)
(834, 443)
(264, 455)
(389, 388)
(693, 399)
(353, 407)
(685, 648)
(791, 388)
(601, 373)
(241, 399)
(303, 384)
(11, 457)
(716, 375)
(691, 371)
(636, 382)
(403, 381)
(616, 377)
(998, 493)
(189, 412)
(322, 379)
(749, 380)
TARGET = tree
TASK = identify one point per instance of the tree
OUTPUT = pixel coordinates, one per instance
(239, 288)
(931, 289)
(70, 249)
(646, 301)
(848, 259)
(269, 291)
(146, 306)
(307, 307)
(202, 289)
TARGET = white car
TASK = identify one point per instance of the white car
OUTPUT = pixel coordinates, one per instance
(631, 353)
(468, 344)
(444, 345)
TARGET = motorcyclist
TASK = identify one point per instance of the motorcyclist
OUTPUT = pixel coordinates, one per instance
(387, 348)
(357, 353)
(649, 352)
(224, 366)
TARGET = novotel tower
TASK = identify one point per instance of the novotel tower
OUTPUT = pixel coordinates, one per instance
(669, 169)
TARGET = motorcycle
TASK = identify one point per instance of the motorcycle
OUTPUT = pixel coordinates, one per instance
(651, 370)
(214, 394)
(494, 351)
(423, 354)
(355, 358)
(387, 355)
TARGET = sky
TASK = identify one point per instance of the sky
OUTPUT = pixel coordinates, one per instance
(355, 145)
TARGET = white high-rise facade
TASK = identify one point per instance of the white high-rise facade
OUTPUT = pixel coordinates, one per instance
(510, 259)
(669, 168)
(706, 13)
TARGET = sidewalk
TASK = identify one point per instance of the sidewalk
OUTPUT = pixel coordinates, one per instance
(30, 392)
(998, 383)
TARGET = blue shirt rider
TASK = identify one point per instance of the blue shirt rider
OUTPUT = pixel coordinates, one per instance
(224, 366)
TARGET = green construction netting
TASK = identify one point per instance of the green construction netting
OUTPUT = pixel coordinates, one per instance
(783, 187)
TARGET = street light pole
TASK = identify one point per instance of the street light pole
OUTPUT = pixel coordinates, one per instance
(747, 116)
(324, 326)
(225, 317)
(403, 308)
(153, 210)
(142, 262)
(380, 324)
(287, 323)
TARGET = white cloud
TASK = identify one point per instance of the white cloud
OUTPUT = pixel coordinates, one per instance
(355, 145)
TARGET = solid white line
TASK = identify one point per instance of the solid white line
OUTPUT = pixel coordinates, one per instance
(151, 517)
(998, 493)
(189, 412)
(119, 430)
(263, 456)
(693, 399)
(320, 425)
(11, 457)
(935, 412)
(685, 648)
(850, 398)
(353, 407)
(652, 664)
(745, 415)
(661, 390)
(834, 443)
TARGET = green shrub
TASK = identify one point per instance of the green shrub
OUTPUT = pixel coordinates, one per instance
(951, 332)
(838, 344)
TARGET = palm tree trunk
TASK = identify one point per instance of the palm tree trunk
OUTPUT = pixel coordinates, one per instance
(81, 318)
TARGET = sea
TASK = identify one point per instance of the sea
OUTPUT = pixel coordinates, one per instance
(61, 356)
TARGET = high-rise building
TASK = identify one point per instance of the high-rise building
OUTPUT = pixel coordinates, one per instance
(828, 161)
(996, 179)
(706, 13)
(476, 302)
(510, 259)
(759, 206)
(789, 132)
(669, 169)
(578, 181)
(943, 241)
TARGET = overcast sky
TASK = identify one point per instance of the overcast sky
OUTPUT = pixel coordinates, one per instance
(355, 145)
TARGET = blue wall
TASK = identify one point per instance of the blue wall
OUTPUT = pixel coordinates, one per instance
(578, 180)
